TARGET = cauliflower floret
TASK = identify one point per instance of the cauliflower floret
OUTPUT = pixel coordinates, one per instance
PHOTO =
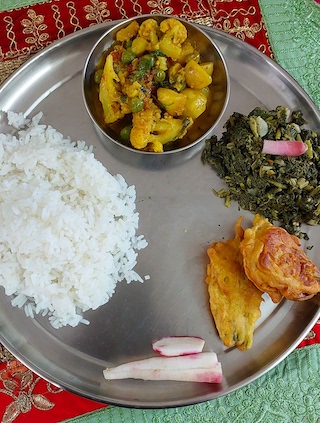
(132, 90)
(139, 46)
(187, 52)
(174, 34)
(109, 95)
(149, 31)
(161, 63)
(128, 32)
(143, 124)
(150, 131)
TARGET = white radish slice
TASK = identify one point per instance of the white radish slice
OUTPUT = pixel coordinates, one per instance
(172, 346)
(194, 361)
(209, 375)
(284, 148)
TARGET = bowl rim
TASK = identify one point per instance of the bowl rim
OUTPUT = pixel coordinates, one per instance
(114, 27)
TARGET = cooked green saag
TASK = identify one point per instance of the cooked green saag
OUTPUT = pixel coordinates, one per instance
(281, 188)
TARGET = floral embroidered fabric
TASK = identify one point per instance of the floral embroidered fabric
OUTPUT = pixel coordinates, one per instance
(25, 31)
(24, 396)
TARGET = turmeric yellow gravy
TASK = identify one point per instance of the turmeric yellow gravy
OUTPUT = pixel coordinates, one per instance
(152, 85)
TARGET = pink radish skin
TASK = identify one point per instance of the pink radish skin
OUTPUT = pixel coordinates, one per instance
(207, 375)
(284, 148)
(172, 346)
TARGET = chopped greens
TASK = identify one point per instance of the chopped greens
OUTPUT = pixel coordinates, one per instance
(281, 188)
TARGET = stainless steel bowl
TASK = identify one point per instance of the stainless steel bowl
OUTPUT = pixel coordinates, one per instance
(204, 124)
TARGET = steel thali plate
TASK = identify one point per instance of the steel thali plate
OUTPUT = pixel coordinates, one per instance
(180, 217)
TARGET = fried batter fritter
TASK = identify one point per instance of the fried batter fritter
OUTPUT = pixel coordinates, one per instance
(234, 299)
(274, 262)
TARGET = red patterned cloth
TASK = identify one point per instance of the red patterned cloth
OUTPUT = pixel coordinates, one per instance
(25, 397)
(313, 336)
(27, 30)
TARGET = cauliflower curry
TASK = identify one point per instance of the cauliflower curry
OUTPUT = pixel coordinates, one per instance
(152, 84)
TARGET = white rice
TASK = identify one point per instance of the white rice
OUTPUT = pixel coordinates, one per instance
(68, 227)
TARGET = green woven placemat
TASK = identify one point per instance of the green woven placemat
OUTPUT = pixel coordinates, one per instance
(293, 27)
(288, 393)
(13, 4)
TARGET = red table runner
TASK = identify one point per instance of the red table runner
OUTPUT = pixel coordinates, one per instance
(25, 397)
(26, 30)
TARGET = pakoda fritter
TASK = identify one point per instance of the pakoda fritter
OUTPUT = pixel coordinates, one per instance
(234, 299)
(274, 262)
